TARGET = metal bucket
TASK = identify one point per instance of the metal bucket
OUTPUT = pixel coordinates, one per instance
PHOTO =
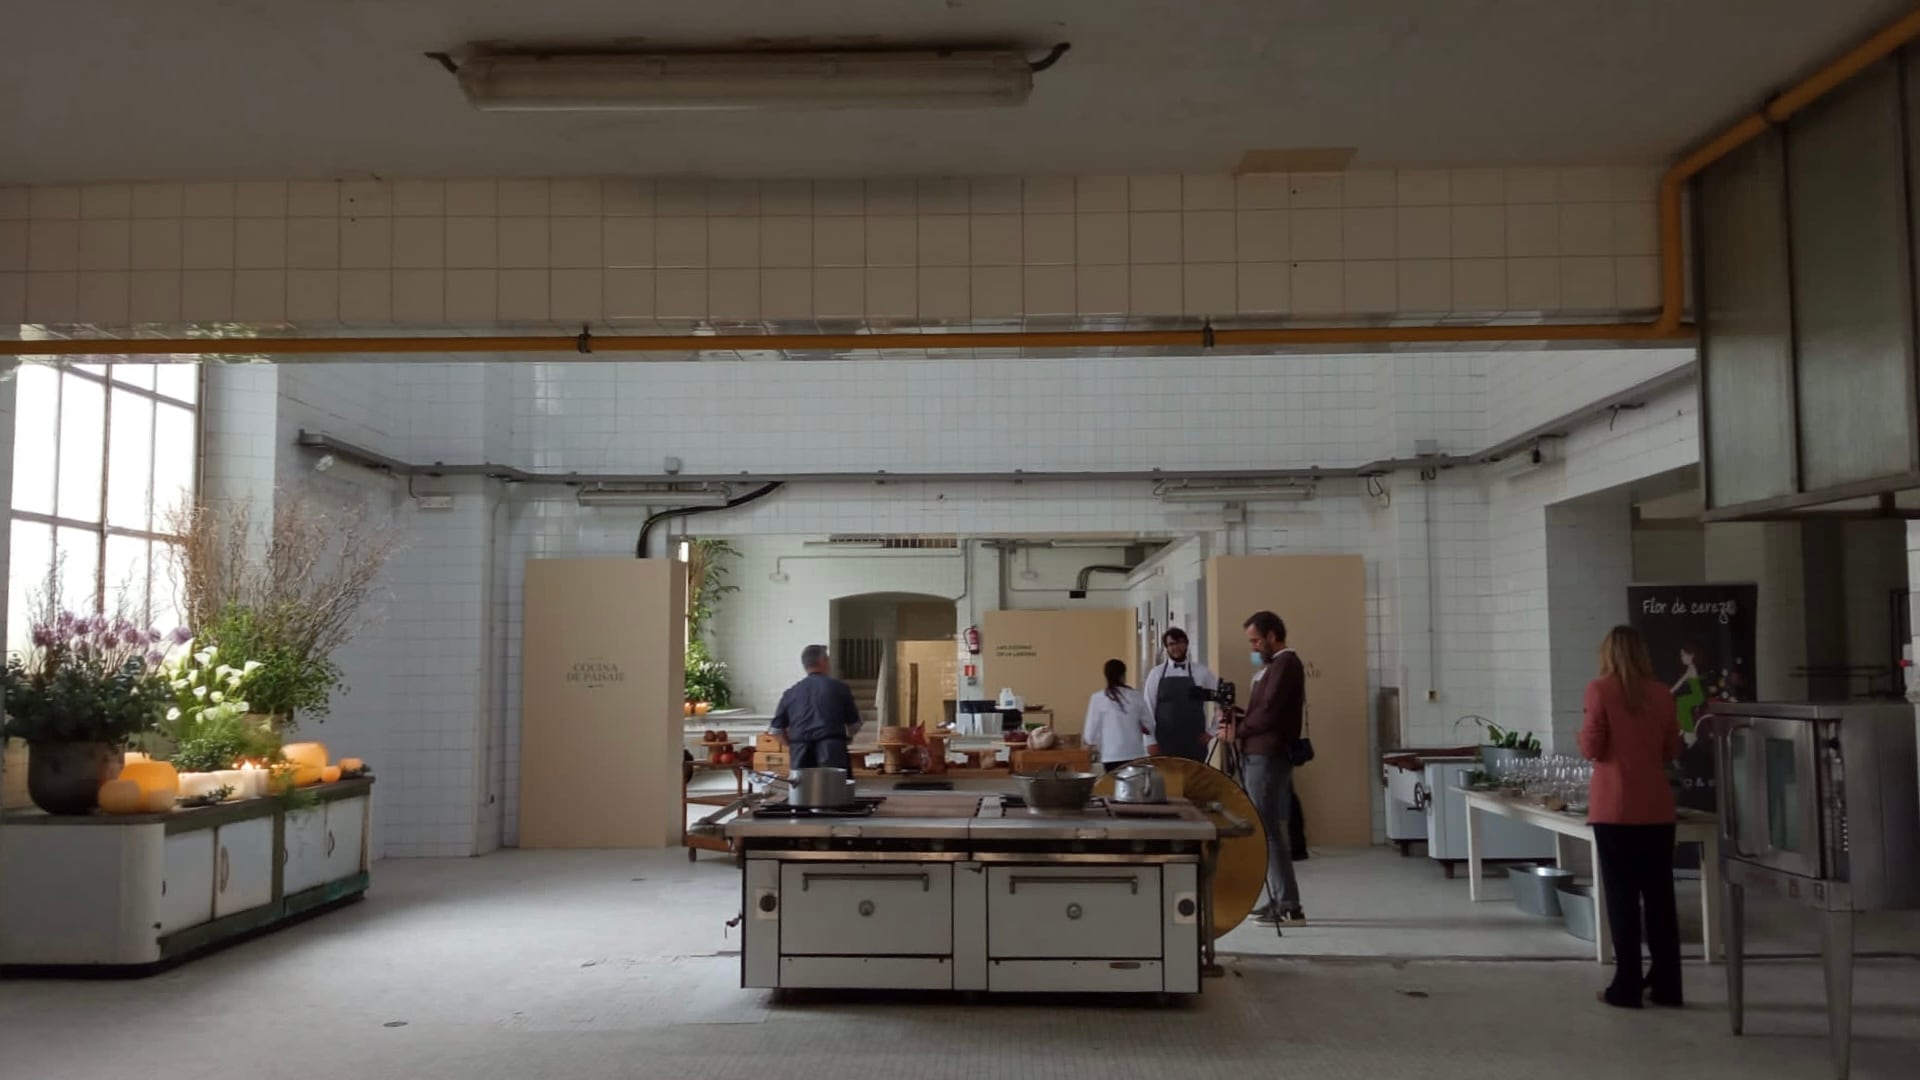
(1536, 888)
(1576, 910)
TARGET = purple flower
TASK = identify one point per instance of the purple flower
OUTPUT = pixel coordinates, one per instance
(131, 636)
(42, 637)
(154, 658)
(181, 635)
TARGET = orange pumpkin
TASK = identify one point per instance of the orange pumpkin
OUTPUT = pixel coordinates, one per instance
(153, 776)
(330, 774)
(306, 753)
(120, 797)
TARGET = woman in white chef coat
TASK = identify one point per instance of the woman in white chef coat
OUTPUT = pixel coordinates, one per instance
(1119, 721)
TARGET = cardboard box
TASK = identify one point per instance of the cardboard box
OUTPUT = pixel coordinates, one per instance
(766, 742)
(772, 762)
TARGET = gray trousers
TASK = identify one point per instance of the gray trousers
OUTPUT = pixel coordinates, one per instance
(1270, 784)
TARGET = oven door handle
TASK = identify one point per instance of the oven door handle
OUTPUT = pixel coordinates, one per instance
(1131, 881)
(925, 879)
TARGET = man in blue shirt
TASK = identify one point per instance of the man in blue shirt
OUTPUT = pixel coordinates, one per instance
(817, 716)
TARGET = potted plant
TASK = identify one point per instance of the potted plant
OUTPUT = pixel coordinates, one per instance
(211, 724)
(84, 687)
(707, 687)
(1503, 747)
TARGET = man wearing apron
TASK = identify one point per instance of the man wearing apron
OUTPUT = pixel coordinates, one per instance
(1179, 719)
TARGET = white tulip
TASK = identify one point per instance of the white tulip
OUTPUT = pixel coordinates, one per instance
(217, 697)
(200, 692)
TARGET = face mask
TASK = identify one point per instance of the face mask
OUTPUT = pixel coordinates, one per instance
(1257, 659)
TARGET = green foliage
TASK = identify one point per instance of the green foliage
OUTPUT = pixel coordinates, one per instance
(76, 703)
(208, 753)
(707, 573)
(706, 677)
(1500, 737)
(281, 678)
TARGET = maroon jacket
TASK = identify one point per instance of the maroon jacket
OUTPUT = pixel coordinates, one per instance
(1276, 707)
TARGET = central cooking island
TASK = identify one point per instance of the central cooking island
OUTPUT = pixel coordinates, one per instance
(970, 891)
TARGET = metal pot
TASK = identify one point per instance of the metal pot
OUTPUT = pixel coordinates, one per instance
(820, 787)
(1139, 784)
(1057, 790)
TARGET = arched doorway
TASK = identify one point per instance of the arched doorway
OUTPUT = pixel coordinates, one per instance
(883, 647)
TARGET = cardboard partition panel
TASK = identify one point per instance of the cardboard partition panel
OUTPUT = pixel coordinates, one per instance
(1323, 600)
(602, 681)
(1053, 659)
(936, 665)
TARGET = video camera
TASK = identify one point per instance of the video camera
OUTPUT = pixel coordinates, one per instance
(1221, 695)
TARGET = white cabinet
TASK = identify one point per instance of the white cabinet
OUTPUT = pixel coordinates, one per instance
(242, 866)
(305, 858)
(186, 883)
(346, 835)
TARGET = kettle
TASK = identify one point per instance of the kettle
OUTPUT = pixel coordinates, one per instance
(1139, 783)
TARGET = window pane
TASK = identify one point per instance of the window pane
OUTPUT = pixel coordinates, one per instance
(83, 406)
(164, 599)
(126, 577)
(36, 409)
(129, 461)
(179, 381)
(79, 553)
(173, 458)
(140, 375)
(29, 559)
(92, 369)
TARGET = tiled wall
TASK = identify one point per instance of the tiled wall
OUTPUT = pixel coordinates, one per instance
(624, 252)
(1589, 566)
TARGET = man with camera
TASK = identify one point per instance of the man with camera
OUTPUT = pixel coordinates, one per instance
(1269, 733)
(1178, 689)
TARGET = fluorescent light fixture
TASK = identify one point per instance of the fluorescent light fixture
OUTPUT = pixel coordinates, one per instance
(602, 496)
(1227, 493)
(525, 82)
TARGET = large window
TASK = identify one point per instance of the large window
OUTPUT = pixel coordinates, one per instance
(101, 454)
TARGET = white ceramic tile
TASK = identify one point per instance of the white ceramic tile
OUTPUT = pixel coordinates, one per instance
(156, 245)
(157, 200)
(366, 198)
(419, 243)
(1637, 282)
(1533, 230)
(53, 297)
(575, 198)
(1424, 232)
(1048, 239)
(524, 245)
(1155, 290)
(13, 297)
(1533, 284)
(103, 298)
(835, 198)
(996, 291)
(15, 203)
(366, 243)
(1532, 186)
(473, 296)
(1314, 190)
(1369, 188)
(574, 242)
(53, 245)
(1318, 288)
(1047, 195)
(626, 198)
(1207, 236)
(1372, 287)
(1100, 239)
(419, 198)
(892, 294)
(576, 294)
(627, 241)
(993, 240)
(892, 197)
(1479, 232)
(1636, 229)
(1207, 191)
(154, 296)
(208, 198)
(13, 246)
(1423, 187)
(523, 198)
(1426, 286)
(1100, 194)
(1153, 237)
(943, 294)
(839, 292)
(472, 198)
(1634, 184)
(627, 294)
(994, 195)
(1587, 228)
(366, 297)
(1150, 193)
(106, 201)
(786, 198)
(1263, 191)
(313, 296)
(1367, 233)
(785, 242)
(892, 240)
(1101, 290)
(1587, 284)
(734, 242)
(1316, 235)
(1211, 289)
(680, 242)
(839, 241)
(525, 294)
(1262, 236)
(786, 293)
(944, 239)
(1049, 290)
(1585, 185)
(472, 242)
(733, 294)
(313, 198)
(260, 296)
(419, 296)
(1264, 288)
(104, 245)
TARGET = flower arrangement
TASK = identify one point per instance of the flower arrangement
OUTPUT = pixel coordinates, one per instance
(210, 722)
(86, 678)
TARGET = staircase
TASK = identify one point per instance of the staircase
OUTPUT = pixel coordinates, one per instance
(865, 695)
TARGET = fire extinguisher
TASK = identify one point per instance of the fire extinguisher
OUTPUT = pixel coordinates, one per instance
(972, 637)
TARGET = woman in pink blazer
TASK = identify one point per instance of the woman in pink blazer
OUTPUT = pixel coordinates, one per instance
(1629, 734)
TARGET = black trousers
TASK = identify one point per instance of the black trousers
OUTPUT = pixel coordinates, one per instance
(821, 753)
(1636, 871)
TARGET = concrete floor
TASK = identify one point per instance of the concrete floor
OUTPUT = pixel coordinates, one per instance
(604, 964)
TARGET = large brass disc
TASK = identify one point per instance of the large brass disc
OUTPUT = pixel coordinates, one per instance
(1242, 868)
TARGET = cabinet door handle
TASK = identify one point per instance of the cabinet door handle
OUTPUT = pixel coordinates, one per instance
(329, 843)
(925, 880)
(1132, 883)
(226, 867)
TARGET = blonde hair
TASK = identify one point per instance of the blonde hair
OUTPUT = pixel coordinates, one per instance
(1624, 656)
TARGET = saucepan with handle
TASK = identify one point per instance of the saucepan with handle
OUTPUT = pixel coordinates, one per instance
(1056, 789)
(820, 787)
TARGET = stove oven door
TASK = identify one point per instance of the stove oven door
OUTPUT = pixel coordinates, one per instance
(1074, 912)
(866, 909)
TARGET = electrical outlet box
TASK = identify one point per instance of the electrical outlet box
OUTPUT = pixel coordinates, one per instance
(1433, 695)
(433, 502)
